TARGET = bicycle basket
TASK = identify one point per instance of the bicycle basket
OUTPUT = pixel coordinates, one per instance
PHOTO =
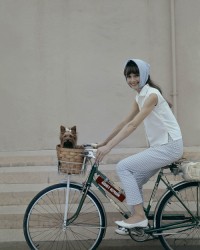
(191, 171)
(70, 160)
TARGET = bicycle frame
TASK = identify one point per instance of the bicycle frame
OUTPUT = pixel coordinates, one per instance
(91, 180)
(169, 187)
(152, 229)
(72, 215)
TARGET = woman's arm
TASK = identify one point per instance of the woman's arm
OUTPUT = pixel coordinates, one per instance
(148, 106)
(133, 113)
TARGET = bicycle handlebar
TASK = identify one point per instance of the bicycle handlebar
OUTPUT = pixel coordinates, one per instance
(90, 150)
(92, 145)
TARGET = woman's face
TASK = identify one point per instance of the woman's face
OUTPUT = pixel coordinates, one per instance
(133, 81)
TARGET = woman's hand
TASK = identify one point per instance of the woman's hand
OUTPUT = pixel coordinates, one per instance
(101, 152)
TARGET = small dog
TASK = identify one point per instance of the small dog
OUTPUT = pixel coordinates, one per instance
(68, 137)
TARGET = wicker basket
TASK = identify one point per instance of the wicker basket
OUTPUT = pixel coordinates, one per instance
(70, 160)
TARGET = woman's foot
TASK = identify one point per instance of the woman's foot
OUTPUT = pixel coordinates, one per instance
(133, 221)
(121, 231)
(124, 231)
(143, 223)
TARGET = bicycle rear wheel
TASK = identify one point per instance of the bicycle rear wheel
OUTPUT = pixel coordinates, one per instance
(185, 232)
(44, 220)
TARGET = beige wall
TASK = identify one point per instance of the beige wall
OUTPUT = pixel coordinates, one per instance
(62, 63)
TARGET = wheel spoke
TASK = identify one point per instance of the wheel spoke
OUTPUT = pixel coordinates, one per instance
(44, 220)
(182, 232)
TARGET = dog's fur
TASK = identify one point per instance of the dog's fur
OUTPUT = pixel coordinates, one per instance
(68, 137)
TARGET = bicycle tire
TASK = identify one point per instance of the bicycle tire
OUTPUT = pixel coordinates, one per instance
(43, 220)
(187, 237)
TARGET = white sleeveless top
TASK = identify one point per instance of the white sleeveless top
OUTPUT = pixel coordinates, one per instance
(161, 122)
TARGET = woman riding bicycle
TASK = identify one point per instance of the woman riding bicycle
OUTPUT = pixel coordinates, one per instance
(163, 134)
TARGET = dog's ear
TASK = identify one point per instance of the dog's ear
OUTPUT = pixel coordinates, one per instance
(73, 129)
(62, 129)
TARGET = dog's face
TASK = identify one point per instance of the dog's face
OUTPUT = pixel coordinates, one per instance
(68, 137)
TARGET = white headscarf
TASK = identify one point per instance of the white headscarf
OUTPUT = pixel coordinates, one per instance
(144, 70)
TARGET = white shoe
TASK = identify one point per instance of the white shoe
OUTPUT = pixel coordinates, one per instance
(122, 231)
(143, 223)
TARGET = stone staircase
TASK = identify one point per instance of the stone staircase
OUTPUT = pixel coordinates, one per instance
(23, 175)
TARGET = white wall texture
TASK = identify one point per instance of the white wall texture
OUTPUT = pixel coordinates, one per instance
(62, 63)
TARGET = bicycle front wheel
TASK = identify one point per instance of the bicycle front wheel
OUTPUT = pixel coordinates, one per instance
(180, 229)
(45, 227)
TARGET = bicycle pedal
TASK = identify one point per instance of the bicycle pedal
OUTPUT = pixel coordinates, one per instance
(137, 231)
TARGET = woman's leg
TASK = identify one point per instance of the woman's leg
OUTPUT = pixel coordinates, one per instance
(138, 214)
(136, 170)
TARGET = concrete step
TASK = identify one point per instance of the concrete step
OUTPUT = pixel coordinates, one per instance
(24, 174)
(49, 157)
(18, 185)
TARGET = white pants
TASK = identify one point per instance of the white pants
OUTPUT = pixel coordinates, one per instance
(134, 171)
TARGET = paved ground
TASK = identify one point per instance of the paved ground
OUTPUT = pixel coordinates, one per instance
(105, 245)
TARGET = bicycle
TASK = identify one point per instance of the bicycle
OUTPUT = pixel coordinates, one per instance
(69, 215)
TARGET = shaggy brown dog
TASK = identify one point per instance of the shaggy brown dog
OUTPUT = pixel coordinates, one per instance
(68, 137)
